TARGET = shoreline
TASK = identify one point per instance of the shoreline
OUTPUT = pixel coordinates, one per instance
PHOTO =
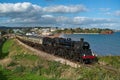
(86, 33)
(61, 34)
(54, 35)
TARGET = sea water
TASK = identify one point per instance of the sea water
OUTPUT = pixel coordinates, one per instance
(102, 44)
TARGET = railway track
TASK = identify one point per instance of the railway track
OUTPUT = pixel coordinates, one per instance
(37, 49)
(47, 56)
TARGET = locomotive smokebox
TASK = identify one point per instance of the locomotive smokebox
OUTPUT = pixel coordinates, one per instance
(81, 39)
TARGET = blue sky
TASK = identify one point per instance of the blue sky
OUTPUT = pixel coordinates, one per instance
(61, 13)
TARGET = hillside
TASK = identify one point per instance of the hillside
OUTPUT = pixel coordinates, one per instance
(19, 63)
(87, 30)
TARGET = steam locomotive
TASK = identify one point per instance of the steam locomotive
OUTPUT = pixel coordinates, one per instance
(77, 51)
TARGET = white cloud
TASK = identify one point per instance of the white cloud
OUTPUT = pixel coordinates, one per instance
(108, 13)
(47, 16)
(81, 20)
(20, 11)
(62, 21)
(65, 9)
(28, 7)
(30, 14)
(117, 13)
(18, 7)
(104, 9)
(87, 20)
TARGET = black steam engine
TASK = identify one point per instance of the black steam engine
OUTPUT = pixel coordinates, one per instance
(78, 51)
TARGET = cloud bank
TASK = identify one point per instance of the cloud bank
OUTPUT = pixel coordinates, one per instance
(65, 9)
(28, 14)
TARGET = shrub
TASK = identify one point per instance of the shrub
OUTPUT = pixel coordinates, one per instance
(12, 63)
(19, 68)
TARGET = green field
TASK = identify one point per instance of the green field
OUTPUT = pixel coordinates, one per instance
(19, 63)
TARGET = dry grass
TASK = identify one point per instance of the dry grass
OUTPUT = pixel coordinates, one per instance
(22, 61)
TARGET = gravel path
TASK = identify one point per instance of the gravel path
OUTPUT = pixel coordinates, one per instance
(48, 56)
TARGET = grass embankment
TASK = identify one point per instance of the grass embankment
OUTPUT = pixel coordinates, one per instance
(113, 61)
(21, 64)
(3, 48)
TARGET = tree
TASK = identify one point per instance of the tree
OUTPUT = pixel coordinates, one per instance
(3, 32)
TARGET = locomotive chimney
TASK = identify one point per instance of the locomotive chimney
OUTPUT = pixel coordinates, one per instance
(81, 39)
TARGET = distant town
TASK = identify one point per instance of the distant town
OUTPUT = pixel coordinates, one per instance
(44, 31)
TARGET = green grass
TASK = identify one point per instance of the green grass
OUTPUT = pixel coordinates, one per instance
(111, 60)
(12, 75)
(5, 47)
(24, 65)
(26, 56)
(97, 73)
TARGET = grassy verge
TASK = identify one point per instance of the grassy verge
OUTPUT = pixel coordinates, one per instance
(111, 61)
(22, 64)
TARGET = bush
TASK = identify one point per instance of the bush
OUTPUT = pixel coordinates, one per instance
(12, 63)
(19, 69)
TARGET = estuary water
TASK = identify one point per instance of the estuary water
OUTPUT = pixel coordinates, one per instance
(102, 44)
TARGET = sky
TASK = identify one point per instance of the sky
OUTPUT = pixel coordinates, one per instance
(61, 13)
